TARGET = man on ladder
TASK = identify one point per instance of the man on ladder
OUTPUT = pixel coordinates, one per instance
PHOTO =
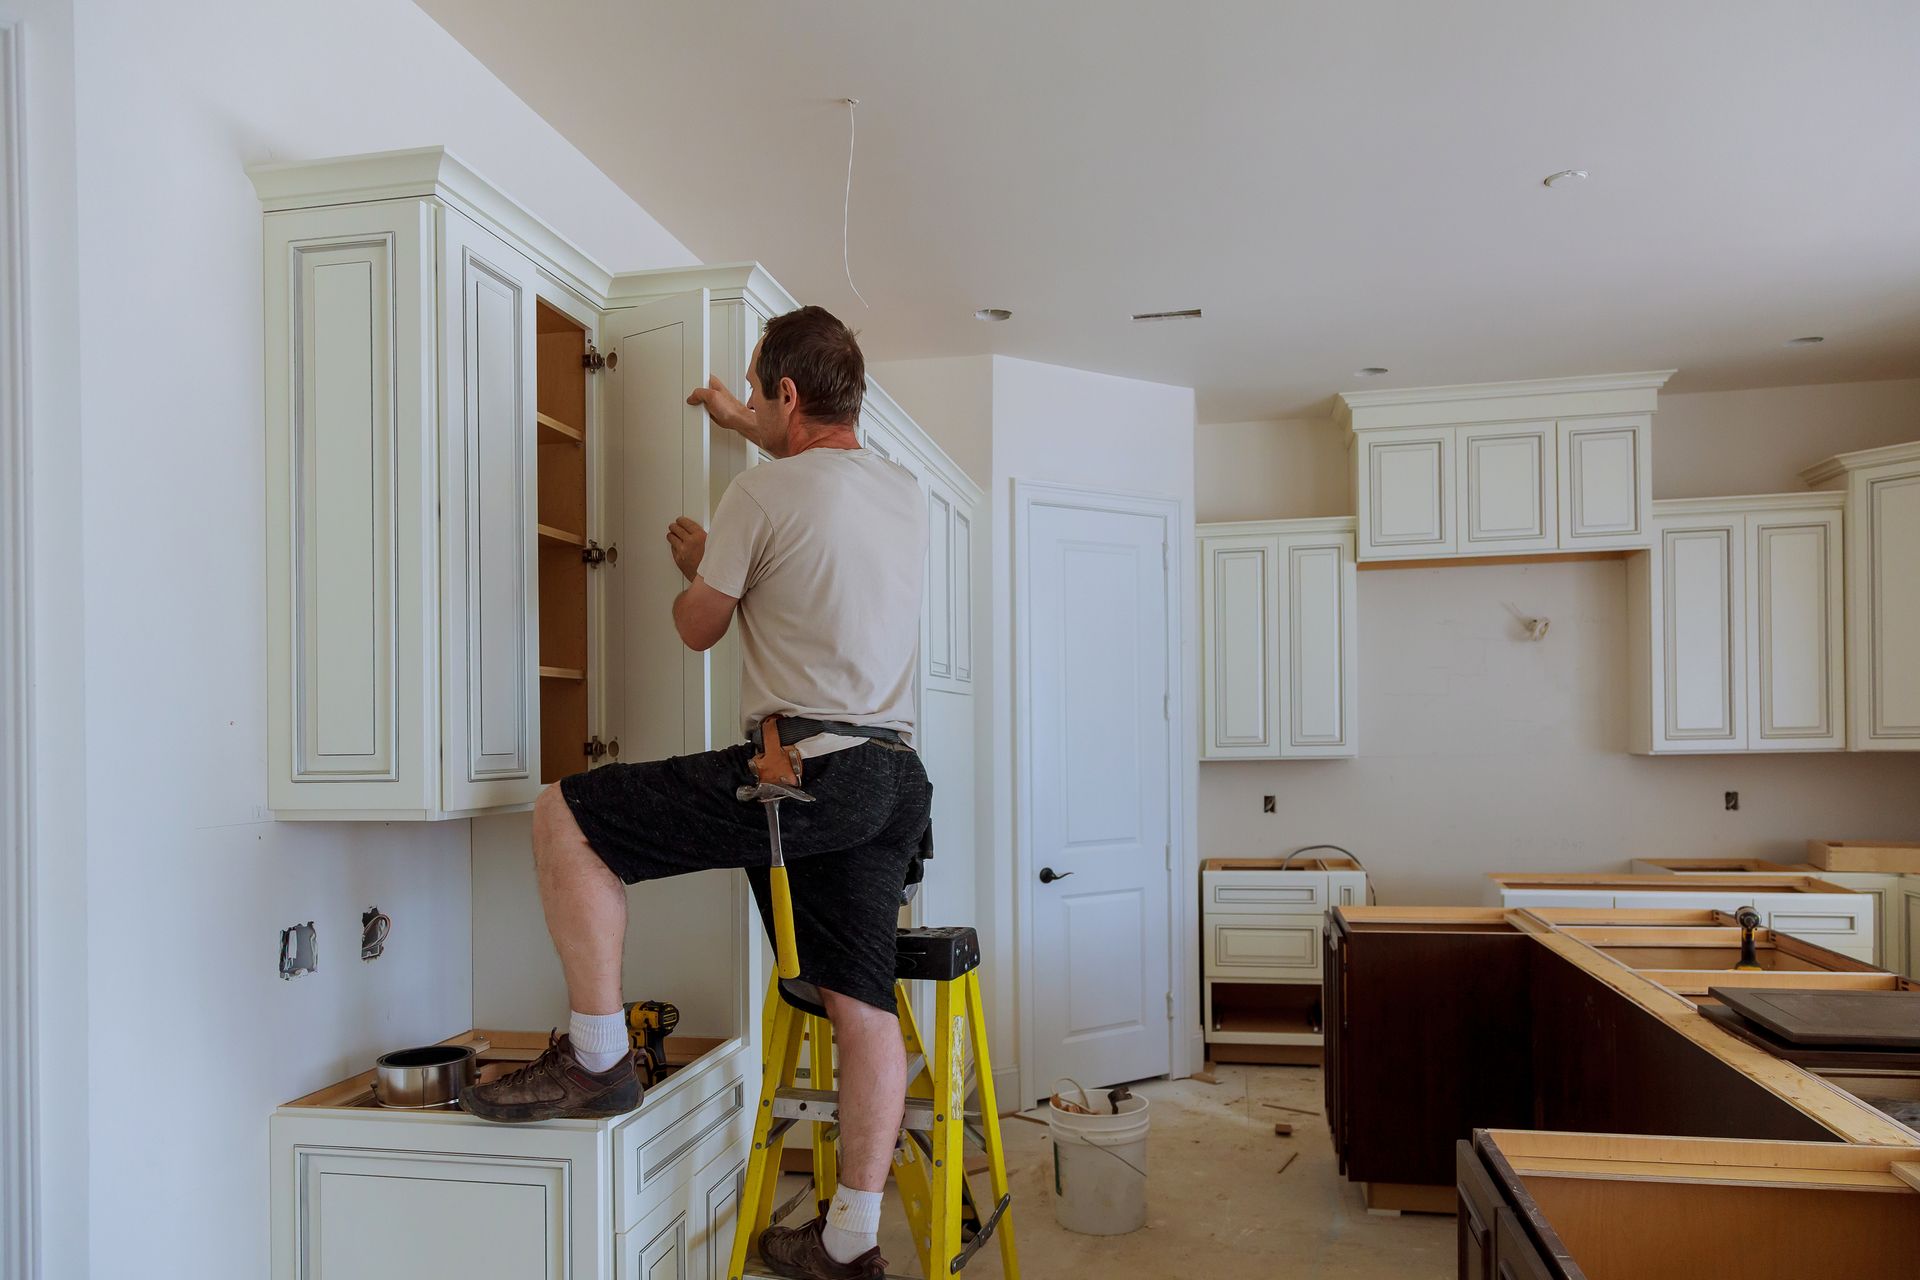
(821, 553)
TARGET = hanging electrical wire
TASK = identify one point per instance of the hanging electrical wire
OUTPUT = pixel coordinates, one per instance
(846, 208)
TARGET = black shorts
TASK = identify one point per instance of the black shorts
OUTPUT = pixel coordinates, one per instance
(848, 853)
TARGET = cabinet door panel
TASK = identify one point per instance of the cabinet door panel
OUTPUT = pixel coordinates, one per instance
(1406, 493)
(962, 553)
(718, 1188)
(1508, 490)
(1797, 694)
(1239, 581)
(349, 506)
(939, 590)
(1320, 646)
(1605, 482)
(657, 457)
(1891, 683)
(1262, 946)
(1479, 1202)
(490, 615)
(393, 1216)
(1700, 596)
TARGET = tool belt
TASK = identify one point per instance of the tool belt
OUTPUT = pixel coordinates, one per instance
(795, 729)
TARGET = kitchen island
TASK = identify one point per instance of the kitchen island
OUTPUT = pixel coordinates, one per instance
(1444, 1020)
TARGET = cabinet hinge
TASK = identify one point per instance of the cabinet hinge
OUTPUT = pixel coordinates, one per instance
(1169, 855)
(593, 361)
(1166, 706)
(1166, 557)
(595, 555)
(1169, 1006)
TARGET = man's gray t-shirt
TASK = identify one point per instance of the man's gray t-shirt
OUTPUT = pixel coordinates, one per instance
(826, 552)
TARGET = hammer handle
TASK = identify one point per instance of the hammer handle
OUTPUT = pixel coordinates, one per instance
(785, 951)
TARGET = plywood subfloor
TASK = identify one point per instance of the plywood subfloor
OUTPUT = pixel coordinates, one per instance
(1218, 1205)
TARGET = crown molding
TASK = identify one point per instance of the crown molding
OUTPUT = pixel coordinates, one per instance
(1666, 508)
(1841, 463)
(1604, 393)
(748, 281)
(1256, 528)
(423, 173)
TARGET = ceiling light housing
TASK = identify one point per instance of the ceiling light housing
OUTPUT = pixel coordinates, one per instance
(1811, 340)
(1562, 177)
(993, 315)
(1191, 313)
(1371, 371)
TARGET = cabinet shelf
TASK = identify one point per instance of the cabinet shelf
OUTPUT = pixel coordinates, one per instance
(552, 429)
(550, 534)
(562, 673)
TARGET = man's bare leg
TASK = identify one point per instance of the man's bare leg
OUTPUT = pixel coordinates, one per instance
(873, 1094)
(585, 905)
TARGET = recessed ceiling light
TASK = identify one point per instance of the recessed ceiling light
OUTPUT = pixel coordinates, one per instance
(995, 314)
(1565, 175)
(1191, 313)
(1808, 341)
(1371, 371)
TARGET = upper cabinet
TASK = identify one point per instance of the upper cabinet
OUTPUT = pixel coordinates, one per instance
(1278, 639)
(1881, 489)
(1509, 468)
(1737, 625)
(476, 438)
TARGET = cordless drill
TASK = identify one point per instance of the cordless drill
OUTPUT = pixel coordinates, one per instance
(649, 1023)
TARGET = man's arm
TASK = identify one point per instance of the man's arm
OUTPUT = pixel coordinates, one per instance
(702, 615)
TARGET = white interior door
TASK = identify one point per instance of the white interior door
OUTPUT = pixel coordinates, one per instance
(1096, 775)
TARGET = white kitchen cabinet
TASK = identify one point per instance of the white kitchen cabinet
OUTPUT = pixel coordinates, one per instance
(1278, 639)
(1908, 904)
(1261, 925)
(1404, 493)
(1811, 907)
(1509, 491)
(1882, 493)
(1606, 482)
(1881, 887)
(1555, 466)
(1736, 627)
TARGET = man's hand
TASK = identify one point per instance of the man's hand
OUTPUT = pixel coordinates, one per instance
(688, 542)
(725, 409)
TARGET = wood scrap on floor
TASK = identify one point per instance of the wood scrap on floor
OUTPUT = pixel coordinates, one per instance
(1282, 1129)
(1205, 1077)
(1291, 1157)
(1281, 1106)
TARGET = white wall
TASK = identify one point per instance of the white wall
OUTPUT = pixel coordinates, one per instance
(1004, 419)
(196, 1039)
(55, 615)
(1481, 751)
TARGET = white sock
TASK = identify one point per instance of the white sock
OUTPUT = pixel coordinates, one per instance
(853, 1224)
(599, 1039)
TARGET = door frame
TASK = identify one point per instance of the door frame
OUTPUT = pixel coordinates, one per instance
(19, 1121)
(1183, 936)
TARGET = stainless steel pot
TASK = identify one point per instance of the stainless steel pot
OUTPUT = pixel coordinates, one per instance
(417, 1079)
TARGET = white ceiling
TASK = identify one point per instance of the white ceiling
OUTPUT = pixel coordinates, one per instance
(1338, 185)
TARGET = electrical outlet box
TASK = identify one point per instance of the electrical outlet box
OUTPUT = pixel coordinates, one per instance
(299, 950)
(1733, 801)
(1266, 804)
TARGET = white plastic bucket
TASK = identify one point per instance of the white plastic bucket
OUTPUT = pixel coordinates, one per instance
(1100, 1168)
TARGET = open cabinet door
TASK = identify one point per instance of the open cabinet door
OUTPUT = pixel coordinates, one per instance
(657, 460)
(658, 466)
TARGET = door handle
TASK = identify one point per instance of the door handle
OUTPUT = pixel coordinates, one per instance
(1048, 875)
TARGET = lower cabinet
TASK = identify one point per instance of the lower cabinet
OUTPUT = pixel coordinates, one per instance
(361, 1193)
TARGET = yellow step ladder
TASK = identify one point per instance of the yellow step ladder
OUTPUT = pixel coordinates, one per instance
(929, 1156)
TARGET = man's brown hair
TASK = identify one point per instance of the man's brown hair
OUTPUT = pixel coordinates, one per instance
(819, 353)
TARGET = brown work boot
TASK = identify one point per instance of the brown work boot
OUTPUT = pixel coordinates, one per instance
(797, 1253)
(555, 1086)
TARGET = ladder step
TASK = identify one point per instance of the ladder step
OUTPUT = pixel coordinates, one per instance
(822, 1106)
(751, 1274)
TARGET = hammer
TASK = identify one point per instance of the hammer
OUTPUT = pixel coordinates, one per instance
(777, 771)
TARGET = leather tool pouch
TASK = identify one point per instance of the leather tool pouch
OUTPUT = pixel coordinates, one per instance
(776, 762)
